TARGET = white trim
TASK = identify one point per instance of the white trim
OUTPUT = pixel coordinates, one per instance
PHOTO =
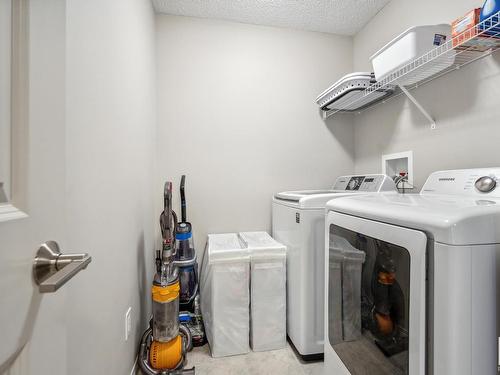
(134, 367)
(8, 212)
(6, 77)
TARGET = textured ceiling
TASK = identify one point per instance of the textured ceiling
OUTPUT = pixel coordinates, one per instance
(344, 17)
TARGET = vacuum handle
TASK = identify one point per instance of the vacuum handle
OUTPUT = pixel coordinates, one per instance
(183, 199)
(166, 216)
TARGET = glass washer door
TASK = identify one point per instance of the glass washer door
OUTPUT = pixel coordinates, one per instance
(376, 296)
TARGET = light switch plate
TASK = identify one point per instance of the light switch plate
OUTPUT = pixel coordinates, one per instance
(128, 323)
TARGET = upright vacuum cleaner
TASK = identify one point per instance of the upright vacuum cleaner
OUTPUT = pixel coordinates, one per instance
(185, 258)
(165, 344)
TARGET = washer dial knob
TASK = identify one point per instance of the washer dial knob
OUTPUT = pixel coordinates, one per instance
(485, 184)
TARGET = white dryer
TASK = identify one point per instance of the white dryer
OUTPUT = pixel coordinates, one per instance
(411, 280)
(298, 223)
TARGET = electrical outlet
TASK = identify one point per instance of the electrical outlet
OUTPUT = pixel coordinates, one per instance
(128, 323)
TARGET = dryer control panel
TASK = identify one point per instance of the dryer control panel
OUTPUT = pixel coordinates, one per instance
(364, 183)
(470, 182)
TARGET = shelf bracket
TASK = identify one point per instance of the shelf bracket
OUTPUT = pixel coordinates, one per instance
(419, 106)
(326, 114)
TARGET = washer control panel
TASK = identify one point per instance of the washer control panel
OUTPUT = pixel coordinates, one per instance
(472, 182)
(366, 183)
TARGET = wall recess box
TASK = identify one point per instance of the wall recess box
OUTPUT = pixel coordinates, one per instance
(401, 162)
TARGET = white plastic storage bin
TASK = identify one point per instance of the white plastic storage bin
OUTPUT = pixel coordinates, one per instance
(348, 93)
(225, 296)
(411, 44)
(267, 291)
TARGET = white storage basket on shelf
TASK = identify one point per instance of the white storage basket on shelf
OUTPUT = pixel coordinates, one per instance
(408, 46)
(267, 291)
(347, 94)
(225, 298)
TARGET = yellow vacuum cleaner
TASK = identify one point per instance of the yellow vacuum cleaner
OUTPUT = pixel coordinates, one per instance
(165, 344)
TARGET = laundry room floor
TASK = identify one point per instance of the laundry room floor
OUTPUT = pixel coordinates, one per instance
(276, 362)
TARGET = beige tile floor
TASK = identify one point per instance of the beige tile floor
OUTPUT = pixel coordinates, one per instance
(277, 362)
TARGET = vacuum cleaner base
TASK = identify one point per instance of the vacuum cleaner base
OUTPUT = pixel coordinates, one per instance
(178, 369)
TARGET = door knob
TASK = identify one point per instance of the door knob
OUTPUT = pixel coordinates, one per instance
(52, 269)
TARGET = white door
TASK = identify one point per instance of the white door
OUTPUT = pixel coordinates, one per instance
(375, 297)
(32, 325)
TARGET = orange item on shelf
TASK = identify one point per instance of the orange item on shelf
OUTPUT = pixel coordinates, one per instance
(464, 33)
(466, 22)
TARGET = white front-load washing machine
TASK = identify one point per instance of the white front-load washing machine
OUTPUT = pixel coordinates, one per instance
(298, 223)
(411, 280)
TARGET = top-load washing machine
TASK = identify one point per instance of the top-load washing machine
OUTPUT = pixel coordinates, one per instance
(411, 285)
(298, 223)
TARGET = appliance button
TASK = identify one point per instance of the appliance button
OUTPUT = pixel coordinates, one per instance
(485, 184)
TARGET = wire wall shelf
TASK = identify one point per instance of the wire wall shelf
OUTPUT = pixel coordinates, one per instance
(452, 55)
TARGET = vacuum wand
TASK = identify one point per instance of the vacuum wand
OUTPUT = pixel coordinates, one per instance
(166, 224)
(183, 199)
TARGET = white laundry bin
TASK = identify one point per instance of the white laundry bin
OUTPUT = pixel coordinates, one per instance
(412, 44)
(267, 291)
(225, 296)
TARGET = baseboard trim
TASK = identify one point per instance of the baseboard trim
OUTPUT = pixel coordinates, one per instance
(134, 367)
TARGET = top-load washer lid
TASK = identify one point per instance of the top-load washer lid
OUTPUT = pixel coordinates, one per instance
(344, 186)
(460, 207)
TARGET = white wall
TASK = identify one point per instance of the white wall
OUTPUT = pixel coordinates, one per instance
(236, 114)
(111, 124)
(464, 103)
